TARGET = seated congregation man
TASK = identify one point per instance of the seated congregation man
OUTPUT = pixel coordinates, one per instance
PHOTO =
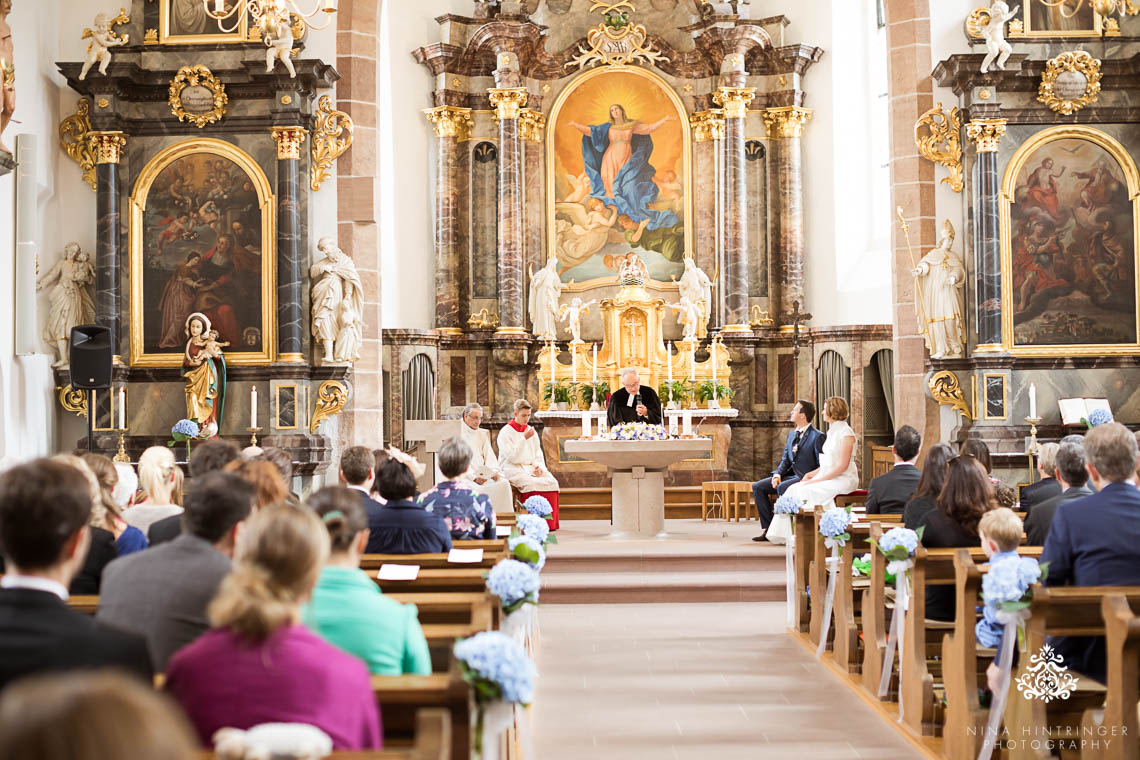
(206, 457)
(520, 452)
(402, 526)
(468, 514)
(1093, 540)
(44, 537)
(162, 593)
(633, 402)
(484, 474)
(1069, 469)
(1046, 488)
(889, 493)
(802, 448)
(358, 472)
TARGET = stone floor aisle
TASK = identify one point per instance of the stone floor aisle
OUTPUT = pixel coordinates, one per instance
(693, 682)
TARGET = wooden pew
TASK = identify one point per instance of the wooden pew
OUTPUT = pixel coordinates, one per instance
(435, 581)
(848, 599)
(963, 671)
(402, 697)
(432, 742)
(1119, 714)
(1063, 611)
(370, 563)
(805, 542)
(873, 618)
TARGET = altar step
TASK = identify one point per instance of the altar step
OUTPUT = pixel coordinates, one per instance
(681, 502)
(709, 561)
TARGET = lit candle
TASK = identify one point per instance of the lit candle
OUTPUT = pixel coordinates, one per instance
(122, 407)
(670, 353)
(253, 407)
(686, 423)
(1032, 401)
(585, 424)
(595, 362)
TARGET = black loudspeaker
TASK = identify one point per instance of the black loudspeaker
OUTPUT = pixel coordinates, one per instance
(90, 357)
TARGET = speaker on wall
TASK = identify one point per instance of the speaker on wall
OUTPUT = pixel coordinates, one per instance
(90, 356)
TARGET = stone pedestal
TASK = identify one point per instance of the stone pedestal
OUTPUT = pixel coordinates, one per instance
(638, 472)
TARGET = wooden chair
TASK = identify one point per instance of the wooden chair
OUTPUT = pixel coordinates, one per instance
(714, 492)
(740, 492)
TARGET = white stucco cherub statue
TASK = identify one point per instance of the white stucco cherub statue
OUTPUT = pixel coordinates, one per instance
(273, 741)
(572, 313)
(545, 288)
(940, 277)
(689, 317)
(994, 34)
(278, 39)
(103, 38)
(338, 303)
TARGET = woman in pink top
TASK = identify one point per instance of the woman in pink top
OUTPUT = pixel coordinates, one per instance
(259, 664)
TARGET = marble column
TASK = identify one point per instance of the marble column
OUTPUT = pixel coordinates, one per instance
(532, 127)
(108, 148)
(451, 125)
(708, 133)
(290, 311)
(786, 204)
(735, 102)
(986, 135)
(507, 101)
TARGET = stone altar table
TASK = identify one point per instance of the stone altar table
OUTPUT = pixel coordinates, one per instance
(637, 469)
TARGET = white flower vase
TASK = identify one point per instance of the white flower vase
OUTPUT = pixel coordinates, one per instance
(672, 405)
(595, 406)
(561, 406)
(496, 718)
(714, 404)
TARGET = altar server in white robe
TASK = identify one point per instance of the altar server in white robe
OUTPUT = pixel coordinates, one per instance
(484, 475)
(520, 454)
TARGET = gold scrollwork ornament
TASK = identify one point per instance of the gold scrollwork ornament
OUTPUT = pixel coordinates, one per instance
(978, 19)
(483, 320)
(616, 41)
(73, 133)
(198, 76)
(531, 125)
(331, 398)
(331, 138)
(938, 137)
(1077, 62)
(73, 400)
(947, 391)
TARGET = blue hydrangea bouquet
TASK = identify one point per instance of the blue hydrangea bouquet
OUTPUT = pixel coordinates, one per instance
(184, 431)
(1098, 417)
(515, 583)
(637, 431)
(534, 527)
(528, 550)
(501, 675)
(538, 506)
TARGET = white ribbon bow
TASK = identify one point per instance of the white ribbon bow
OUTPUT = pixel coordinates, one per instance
(898, 568)
(829, 600)
(1013, 620)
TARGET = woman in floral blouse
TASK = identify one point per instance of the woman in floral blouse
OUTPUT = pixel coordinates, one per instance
(467, 514)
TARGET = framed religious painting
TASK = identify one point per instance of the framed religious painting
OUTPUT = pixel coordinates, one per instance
(202, 240)
(188, 22)
(1070, 230)
(1061, 18)
(618, 177)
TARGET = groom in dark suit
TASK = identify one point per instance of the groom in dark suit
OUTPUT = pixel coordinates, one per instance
(801, 456)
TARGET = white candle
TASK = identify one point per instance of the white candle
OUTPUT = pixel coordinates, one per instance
(552, 349)
(595, 363)
(686, 423)
(692, 361)
(253, 407)
(585, 424)
(1032, 401)
(670, 354)
(122, 407)
(219, 7)
(573, 364)
(673, 425)
(713, 360)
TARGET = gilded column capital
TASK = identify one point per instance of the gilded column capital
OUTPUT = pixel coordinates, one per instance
(289, 141)
(786, 121)
(734, 100)
(707, 125)
(986, 134)
(451, 121)
(107, 146)
(507, 101)
(531, 124)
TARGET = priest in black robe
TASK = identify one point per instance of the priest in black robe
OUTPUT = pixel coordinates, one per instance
(633, 402)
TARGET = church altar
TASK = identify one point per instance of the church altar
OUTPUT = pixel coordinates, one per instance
(637, 469)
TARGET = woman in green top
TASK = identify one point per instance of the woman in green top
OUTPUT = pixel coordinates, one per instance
(347, 608)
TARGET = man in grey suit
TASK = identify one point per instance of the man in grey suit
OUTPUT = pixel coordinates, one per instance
(1069, 467)
(162, 593)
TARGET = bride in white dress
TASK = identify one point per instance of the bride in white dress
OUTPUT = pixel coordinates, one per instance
(837, 473)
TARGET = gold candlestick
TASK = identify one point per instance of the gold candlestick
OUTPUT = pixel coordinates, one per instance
(253, 431)
(121, 455)
(1033, 447)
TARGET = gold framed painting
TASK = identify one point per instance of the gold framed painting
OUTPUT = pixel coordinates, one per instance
(186, 22)
(1070, 243)
(618, 176)
(202, 239)
(1061, 18)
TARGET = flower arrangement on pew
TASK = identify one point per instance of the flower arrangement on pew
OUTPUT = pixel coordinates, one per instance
(898, 546)
(1098, 417)
(833, 527)
(515, 583)
(538, 506)
(501, 675)
(1005, 591)
(637, 431)
(535, 527)
(528, 550)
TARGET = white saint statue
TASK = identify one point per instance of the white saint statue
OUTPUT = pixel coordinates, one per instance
(278, 39)
(99, 49)
(696, 286)
(940, 277)
(572, 312)
(994, 34)
(484, 475)
(338, 304)
(71, 303)
(688, 316)
(545, 288)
